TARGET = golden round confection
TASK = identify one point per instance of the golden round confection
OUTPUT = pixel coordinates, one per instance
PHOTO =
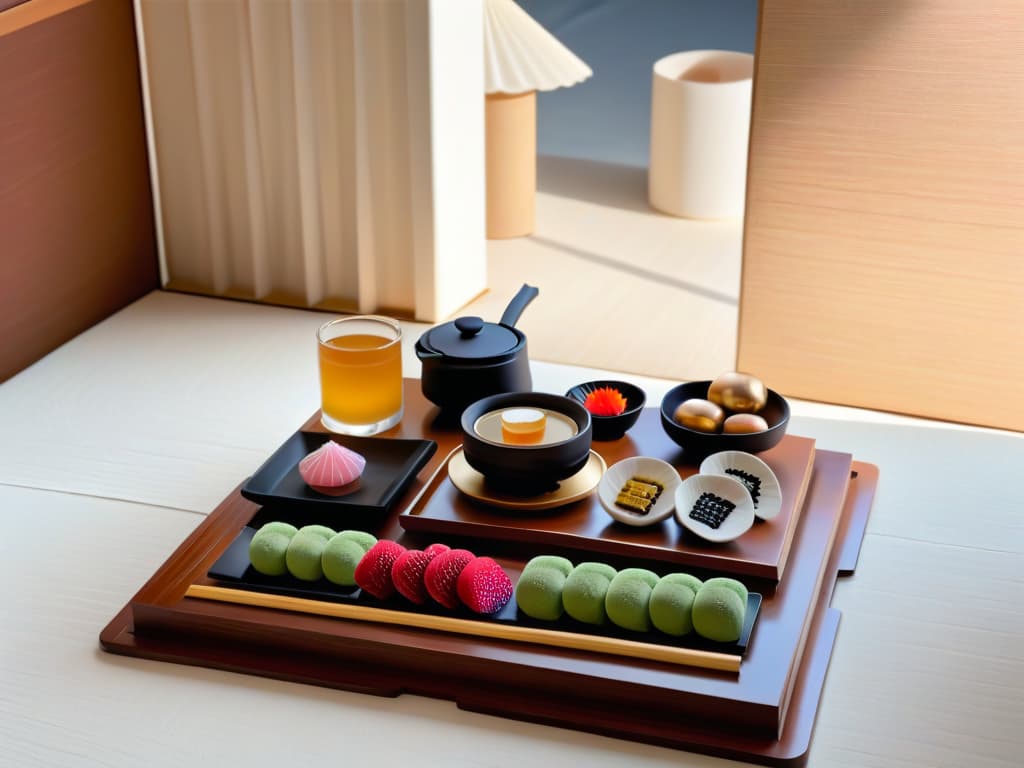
(744, 423)
(698, 414)
(738, 392)
(523, 426)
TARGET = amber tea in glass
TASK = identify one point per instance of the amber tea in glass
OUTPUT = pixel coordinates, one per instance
(360, 374)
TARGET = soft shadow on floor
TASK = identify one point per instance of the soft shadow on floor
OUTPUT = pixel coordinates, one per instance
(639, 272)
(609, 184)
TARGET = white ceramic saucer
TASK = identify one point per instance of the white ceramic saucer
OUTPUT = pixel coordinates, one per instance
(757, 476)
(720, 488)
(639, 467)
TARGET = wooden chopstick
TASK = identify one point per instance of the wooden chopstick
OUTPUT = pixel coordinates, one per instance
(691, 657)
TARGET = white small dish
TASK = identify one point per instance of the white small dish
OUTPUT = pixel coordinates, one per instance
(739, 519)
(639, 467)
(757, 476)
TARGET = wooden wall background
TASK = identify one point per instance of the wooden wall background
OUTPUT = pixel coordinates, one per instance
(76, 224)
(884, 240)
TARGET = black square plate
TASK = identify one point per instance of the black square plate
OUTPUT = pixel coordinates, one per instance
(391, 464)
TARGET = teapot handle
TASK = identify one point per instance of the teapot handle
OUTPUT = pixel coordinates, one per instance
(515, 307)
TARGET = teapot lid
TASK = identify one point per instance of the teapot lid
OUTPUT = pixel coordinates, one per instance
(470, 338)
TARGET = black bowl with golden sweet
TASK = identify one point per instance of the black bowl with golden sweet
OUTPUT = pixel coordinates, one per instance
(526, 467)
(697, 444)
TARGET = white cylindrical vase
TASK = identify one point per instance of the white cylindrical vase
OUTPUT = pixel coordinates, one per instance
(700, 131)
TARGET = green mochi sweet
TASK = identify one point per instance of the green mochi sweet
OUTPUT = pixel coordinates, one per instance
(362, 538)
(340, 558)
(319, 530)
(735, 586)
(718, 613)
(684, 578)
(602, 568)
(628, 598)
(267, 551)
(585, 591)
(560, 564)
(278, 527)
(671, 604)
(539, 592)
(304, 556)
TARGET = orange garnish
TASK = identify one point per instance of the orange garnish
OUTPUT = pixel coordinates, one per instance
(605, 401)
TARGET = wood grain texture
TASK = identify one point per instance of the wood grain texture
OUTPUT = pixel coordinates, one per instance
(585, 526)
(778, 688)
(885, 189)
(6, 5)
(616, 646)
(76, 219)
(605, 691)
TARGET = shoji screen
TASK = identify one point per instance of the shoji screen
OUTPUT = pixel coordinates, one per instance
(322, 153)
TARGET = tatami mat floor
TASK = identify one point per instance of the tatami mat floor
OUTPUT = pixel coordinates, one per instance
(622, 287)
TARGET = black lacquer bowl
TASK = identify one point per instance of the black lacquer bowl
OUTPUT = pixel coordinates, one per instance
(698, 445)
(612, 427)
(526, 469)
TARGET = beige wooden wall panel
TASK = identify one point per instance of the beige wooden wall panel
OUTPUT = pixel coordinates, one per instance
(77, 239)
(884, 238)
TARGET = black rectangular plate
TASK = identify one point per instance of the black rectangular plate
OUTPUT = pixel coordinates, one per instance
(233, 567)
(391, 464)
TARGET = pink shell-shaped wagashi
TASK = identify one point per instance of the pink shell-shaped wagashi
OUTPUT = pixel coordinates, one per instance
(331, 465)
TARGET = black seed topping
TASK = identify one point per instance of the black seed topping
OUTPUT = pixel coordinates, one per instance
(711, 510)
(753, 482)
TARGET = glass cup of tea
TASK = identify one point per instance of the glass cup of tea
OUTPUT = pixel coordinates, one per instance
(360, 374)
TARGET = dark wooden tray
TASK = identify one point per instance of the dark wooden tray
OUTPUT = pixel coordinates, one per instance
(585, 526)
(765, 714)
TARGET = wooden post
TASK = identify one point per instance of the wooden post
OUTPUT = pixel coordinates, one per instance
(511, 164)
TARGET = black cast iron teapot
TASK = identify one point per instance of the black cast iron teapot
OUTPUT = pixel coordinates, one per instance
(468, 358)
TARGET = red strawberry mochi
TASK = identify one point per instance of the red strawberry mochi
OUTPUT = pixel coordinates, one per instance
(373, 573)
(442, 576)
(484, 586)
(407, 572)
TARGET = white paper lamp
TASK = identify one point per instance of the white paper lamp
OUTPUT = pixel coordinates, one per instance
(521, 58)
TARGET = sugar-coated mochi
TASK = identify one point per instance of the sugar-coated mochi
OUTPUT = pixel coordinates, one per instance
(442, 575)
(718, 613)
(339, 560)
(628, 598)
(319, 530)
(671, 605)
(267, 552)
(304, 556)
(539, 591)
(287, 529)
(373, 574)
(409, 571)
(483, 586)
(585, 591)
(561, 564)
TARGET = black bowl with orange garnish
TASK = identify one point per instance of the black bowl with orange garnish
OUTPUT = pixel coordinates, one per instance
(614, 406)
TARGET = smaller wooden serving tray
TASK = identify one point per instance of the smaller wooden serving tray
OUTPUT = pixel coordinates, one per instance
(584, 525)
